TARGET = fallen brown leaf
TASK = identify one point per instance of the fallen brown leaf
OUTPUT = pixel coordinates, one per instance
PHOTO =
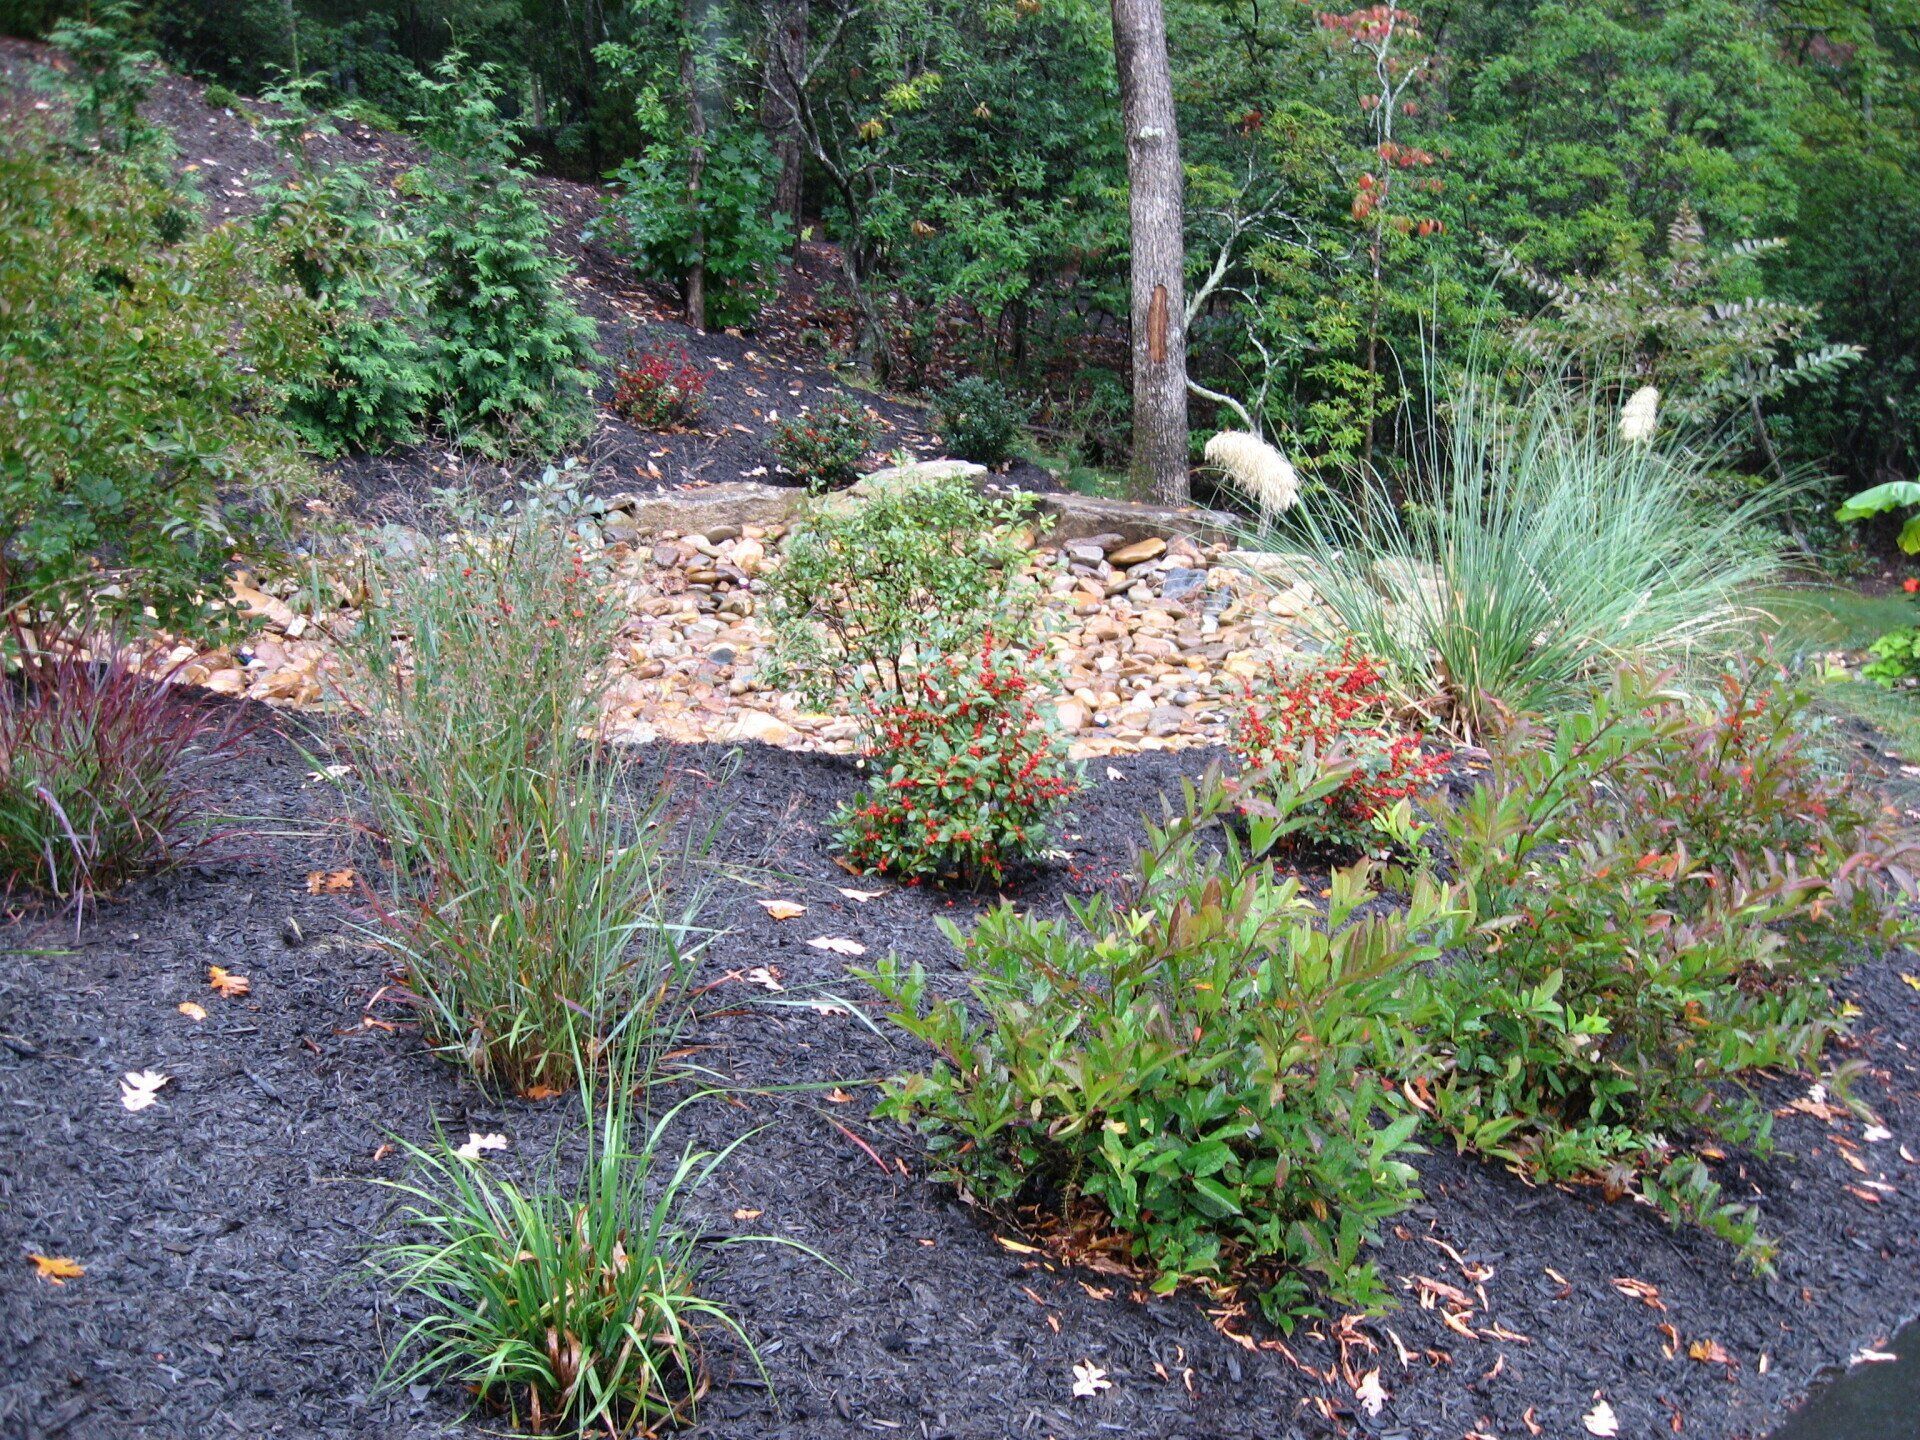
(783, 909)
(1648, 1295)
(192, 1011)
(838, 945)
(329, 882)
(1708, 1352)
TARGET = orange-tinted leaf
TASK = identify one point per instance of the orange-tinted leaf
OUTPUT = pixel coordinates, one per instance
(227, 983)
(57, 1269)
(329, 882)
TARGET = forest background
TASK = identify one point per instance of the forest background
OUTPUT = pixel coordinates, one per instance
(1371, 196)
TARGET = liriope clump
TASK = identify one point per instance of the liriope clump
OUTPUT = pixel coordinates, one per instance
(1257, 469)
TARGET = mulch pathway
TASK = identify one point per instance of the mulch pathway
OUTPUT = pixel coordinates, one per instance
(221, 1229)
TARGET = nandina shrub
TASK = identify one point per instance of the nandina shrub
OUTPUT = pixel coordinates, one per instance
(659, 388)
(968, 774)
(824, 444)
(100, 772)
(1330, 720)
(1667, 893)
(1198, 1055)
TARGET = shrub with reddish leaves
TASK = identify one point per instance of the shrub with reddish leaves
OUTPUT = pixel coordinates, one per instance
(824, 444)
(968, 774)
(1331, 720)
(660, 388)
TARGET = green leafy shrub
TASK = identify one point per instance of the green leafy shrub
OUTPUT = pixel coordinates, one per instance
(659, 387)
(143, 380)
(979, 419)
(1197, 1058)
(110, 75)
(1330, 718)
(1538, 551)
(221, 98)
(824, 444)
(371, 381)
(1896, 656)
(1666, 897)
(512, 357)
(870, 589)
(101, 770)
(967, 773)
(529, 884)
(569, 1303)
(741, 242)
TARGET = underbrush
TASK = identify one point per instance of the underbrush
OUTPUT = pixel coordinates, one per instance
(1667, 895)
(824, 445)
(908, 611)
(1328, 727)
(529, 883)
(966, 774)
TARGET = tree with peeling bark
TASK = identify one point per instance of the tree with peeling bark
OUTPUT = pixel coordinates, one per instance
(1156, 213)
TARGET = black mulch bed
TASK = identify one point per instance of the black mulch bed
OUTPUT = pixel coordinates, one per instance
(220, 1229)
(754, 378)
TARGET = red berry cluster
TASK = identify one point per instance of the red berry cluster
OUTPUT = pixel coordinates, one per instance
(968, 776)
(1341, 712)
(659, 389)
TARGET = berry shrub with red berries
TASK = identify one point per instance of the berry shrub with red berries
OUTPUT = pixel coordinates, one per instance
(1335, 714)
(968, 775)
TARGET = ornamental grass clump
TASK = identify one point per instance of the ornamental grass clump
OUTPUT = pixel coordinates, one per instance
(1667, 894)
(568, 1305)
(1536, 552)
(967, 775)
(1197, 1059)
(532, 880)
(102, 768)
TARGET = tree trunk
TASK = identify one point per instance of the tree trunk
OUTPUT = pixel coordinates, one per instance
(1159, 252)
(696, 283)
(786, 60)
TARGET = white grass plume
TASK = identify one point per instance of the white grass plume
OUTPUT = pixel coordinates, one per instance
(1640, 415)
(1256, 469)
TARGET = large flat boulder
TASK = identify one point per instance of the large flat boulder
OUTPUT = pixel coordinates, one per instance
(696, 511)
(1082, 517)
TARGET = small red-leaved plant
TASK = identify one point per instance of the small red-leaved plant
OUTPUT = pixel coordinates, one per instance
(968, 774)
(101, 771)
(1331, 718)
(660, 388)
